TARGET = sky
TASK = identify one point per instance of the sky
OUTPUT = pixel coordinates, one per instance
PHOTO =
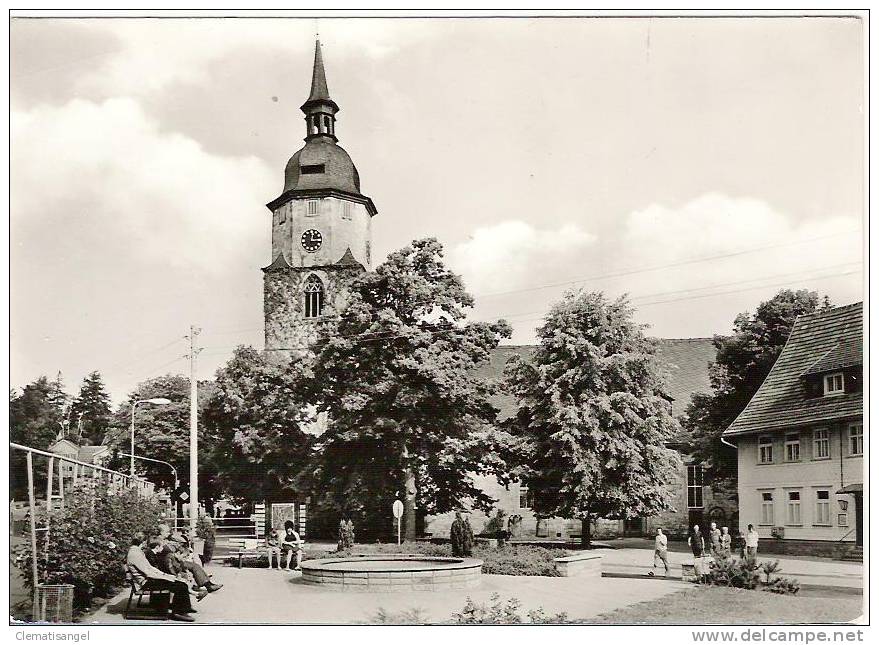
(698, 165)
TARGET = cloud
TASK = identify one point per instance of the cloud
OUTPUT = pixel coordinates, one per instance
(514, 254)
(104, 173)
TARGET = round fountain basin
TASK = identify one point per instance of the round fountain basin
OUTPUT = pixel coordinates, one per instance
(393, 572)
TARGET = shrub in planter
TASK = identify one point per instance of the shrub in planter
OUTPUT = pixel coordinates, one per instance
(744, 573)
(88, 540)
(501, 613)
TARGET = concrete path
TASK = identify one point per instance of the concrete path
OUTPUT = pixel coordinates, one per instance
(832, 573)
(277, 597)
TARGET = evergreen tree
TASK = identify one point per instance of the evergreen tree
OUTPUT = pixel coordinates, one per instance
(743, 361)
(406, 413)
(90, 411)
(593, 417)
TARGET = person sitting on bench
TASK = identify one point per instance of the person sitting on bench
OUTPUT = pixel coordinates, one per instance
(291, 544)
(172, 560)
(149, 578)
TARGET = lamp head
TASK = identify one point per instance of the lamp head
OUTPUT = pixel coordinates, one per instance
(159, 401)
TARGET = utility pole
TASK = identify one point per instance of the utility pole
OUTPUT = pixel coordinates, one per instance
(193, 427)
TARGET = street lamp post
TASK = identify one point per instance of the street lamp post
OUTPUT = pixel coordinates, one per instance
(173, 470)
(159, 401)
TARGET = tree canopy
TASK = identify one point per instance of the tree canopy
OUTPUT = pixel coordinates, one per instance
(35, 420)
(160, 431)
(255, 424)
(743, 361)
(406, 414)
(593, 417)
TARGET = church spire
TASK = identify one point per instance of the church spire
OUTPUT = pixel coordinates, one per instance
(320, 110)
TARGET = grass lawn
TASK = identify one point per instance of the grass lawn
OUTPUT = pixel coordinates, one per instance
(713, 605)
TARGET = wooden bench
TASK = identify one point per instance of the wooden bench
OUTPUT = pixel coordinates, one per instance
(140, 590)
(250, 546)
(587, 563)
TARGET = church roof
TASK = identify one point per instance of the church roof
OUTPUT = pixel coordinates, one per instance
(319, 90)
(278, 264)
(321, 164)
(348, 260)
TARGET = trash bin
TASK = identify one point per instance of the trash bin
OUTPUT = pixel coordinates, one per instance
(54, 603)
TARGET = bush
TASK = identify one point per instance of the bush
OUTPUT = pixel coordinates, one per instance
(744, 573)
(518, 560)
(501, 613)
(88, 540)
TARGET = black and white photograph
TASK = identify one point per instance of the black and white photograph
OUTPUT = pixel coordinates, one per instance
(438, 318)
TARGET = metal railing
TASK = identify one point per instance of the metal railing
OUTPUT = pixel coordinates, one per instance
(80, 470)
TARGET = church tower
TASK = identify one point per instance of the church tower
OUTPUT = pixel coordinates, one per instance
(321, 228)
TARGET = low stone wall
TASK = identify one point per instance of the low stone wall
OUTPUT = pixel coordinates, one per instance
(445, 574)
(582, 564)
(818, 548)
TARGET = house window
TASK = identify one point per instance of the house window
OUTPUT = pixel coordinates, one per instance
(821, 444)
(526, 497)
(764, 448)
(282, 214)
(856, 440)
(311, 207)
(767, 510)
(834, 384)
(793, 508)
(314, 297)
(346, 210)
(694, 486)
(792, 447)
(822, 507)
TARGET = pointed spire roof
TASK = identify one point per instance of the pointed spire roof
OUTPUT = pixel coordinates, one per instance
(280, 263)
(319, 91)
(348, 260)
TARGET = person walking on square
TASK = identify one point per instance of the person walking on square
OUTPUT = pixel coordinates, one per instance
(714, 539)
(467, 542)
(752, 538)
(660, 550)
(456, 535)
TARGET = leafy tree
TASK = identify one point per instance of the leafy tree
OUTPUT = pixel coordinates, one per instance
(91, 409)
(406, 412)
(743, 361)
(161, 431)
(593, 419)
(34, 421)
(255, 426)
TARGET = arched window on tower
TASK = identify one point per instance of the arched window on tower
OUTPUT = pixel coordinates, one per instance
(314, 297)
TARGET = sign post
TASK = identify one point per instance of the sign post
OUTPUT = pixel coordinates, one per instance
(398, 513)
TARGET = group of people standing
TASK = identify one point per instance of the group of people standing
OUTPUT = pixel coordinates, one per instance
(719, 545)
(166, 561)
(461, 535)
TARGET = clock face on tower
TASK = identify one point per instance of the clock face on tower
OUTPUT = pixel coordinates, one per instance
(311, 240)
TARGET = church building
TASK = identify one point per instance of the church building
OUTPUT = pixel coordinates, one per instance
(321, 228)
(321, 237)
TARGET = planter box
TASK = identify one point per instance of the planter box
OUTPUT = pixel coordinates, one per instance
(582, 564)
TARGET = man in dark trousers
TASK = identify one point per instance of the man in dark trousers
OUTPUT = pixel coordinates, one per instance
(152, 579)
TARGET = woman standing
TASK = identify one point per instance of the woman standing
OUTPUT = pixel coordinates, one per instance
(697, 545)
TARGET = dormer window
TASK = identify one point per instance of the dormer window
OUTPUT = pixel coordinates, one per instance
(834, 384)
(316, 169)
